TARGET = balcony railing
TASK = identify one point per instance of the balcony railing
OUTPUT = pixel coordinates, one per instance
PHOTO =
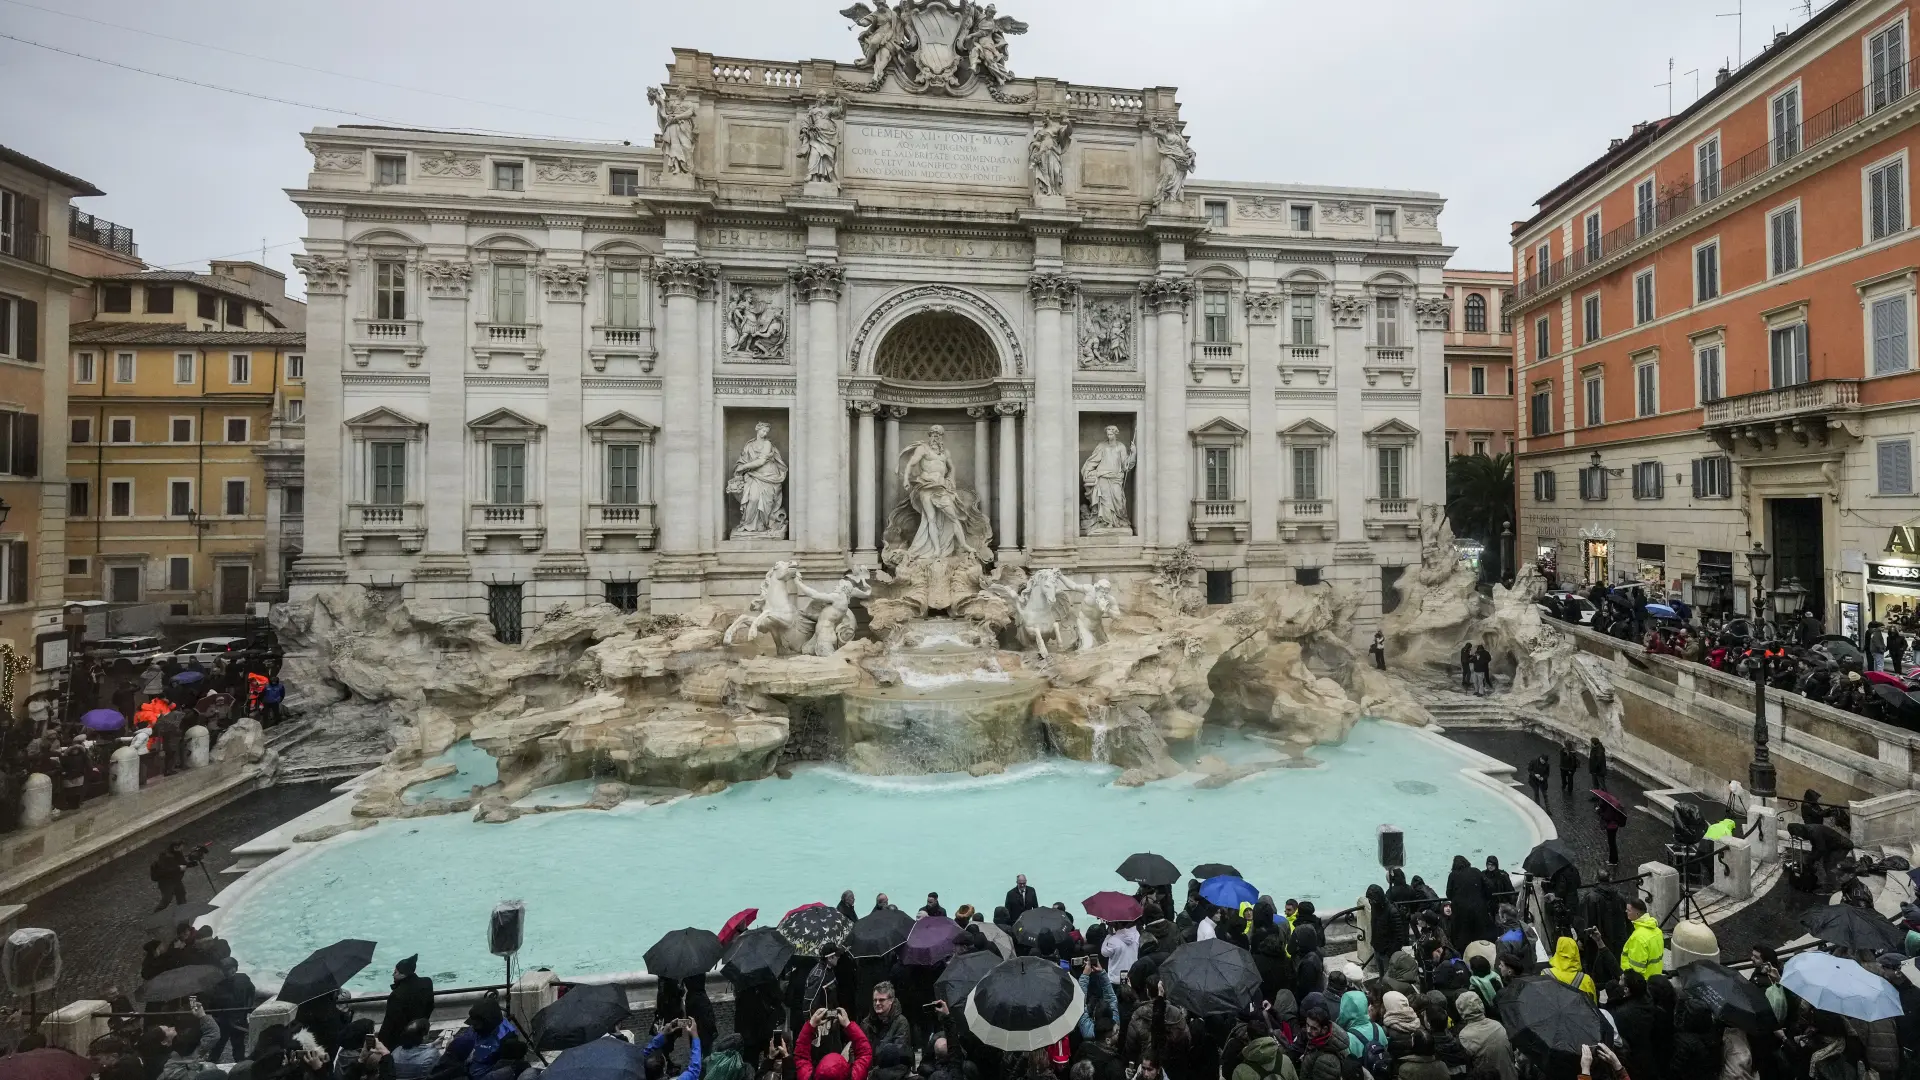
(26, 245)
(629, 337)
(1216, 356)
(1392, 508)
(403, 521)
(1817, 130)
(1308, 509)
(100, 232)
(1788, 401)
(522, 520)
(1210, 514)
(620, 519)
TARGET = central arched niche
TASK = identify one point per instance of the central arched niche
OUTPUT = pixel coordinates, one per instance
(937, 347)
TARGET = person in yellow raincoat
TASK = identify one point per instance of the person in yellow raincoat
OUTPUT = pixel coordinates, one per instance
(1565, 967)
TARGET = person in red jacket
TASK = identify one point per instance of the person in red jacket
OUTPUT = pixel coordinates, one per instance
(848, 1063)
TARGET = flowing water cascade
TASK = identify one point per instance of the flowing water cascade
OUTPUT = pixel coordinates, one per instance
(946, 703)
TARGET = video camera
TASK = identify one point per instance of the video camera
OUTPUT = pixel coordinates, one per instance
(197, 854)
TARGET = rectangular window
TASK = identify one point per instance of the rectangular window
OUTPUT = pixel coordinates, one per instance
(84, 370)
(77, 567)
(1593, 237)
(389, 169)
(296, 410)
(1478, 448)
(1886, 200)
(79, 498)
(388, 484)
(240, 368)
(509, 176)
(1787, 347)
(1540, 412)
(1542, 338)
(237, 429)
(1303, 320)
(623, 298)
(1383, 224)
(159, 299)
(120, 498)
(1590, 319)
(389, 289)
(1216, 214)
(1786, 125)
(236, 311)
(120, 429)
(1594, 397)
(623, 473)
(1783, 236)
(1643, 207)
(116, 299)
(1543, 486)
(236, 502)
(123, 367)
(1713, 477)
(1306, 575)
(1889, 334)
(185, 368)
(509, 294)
(179, 573)
(1887, 63)
(207, 306)
(182, 429)
(1646, 389)
(1391, 472)
(1306, 472)
(296, 365)
(80, 429)
(1593, 483)
(1544, 259)
(1894, 458)
(1706, 165)
(1213, 310)
(623, 182)
(1477, 380)
(1446, 380)
(624, 595)
(1713, 382)
(1302, 217)
(1643, 297)
(1217, 464)
(509, 473)
(1648, 480)
(293, 501)
(1706, 272)
(1386, 321)
(179, 497)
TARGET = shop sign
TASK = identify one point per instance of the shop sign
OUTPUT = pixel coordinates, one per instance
(1893, 574)
(1904, 540)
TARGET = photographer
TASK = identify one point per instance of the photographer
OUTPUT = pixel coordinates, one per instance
(169, 872)
(851, 1063)
(660, 1047)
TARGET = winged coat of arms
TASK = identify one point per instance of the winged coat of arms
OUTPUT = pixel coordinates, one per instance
(940, 46)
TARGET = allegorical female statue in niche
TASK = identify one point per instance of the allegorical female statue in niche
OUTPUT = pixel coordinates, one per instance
(1104, 478)
(759, 476)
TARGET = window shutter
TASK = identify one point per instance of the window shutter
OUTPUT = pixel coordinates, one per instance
(17, 572)
(1892, 185)
(1890, 334)
(26, 445)
(1896, 467)
(1877, 203)
(1699, 488)
(29, 330)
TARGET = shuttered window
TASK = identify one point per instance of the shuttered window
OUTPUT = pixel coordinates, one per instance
(1895, 460)
(1712, 477)
(1890, 334)
(1887, 58)
(1783, 230)
(1886, 200)
(1788, 348)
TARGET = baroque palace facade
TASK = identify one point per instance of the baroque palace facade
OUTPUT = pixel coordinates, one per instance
(544, 372)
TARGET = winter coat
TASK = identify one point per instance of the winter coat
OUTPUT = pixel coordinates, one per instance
(1646, 1030)
(1403, 972)
(1021, 898)
(861, 1054)
(1362, 1031)
(1261, 1059)
(1484, 1040)
(1472, 908)
(894, 1030)
(410, 1000)
(1387, 924)
(1646, 948)
(1097, 990)
(1604, 909)
(1397, 1013)
(1269, 947)
(1419, 1067)
(1565, 967)
(1121, 949)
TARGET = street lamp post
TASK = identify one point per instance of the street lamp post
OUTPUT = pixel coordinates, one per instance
(1508, 570)
(1760, 774)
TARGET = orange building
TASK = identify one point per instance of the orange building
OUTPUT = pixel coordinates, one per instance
(1479, 358)
(1715, 328)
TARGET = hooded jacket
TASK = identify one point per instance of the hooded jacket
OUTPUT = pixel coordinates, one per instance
(1262, 1058)
(1121, 949)
(1403, 972)
(1565, 967)
(1484, 1040)
(1360, 1030)
(1397, 1014)
(1646, 948)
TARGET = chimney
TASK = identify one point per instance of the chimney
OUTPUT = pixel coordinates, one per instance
(1614, 144)
(1777, 35)
(1639, 127)
(1722, 75)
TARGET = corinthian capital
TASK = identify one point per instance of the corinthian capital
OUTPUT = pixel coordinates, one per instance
(324, 274)
(1166, 294)
(819, 280)
(1052, 290)
(1264, 307)
(684, 277)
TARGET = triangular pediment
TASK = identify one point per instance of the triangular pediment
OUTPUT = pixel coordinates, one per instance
(504, 420)
(383, 417)
(621, 422)
(1393, 429)
(1219, 425)
(1309, 429)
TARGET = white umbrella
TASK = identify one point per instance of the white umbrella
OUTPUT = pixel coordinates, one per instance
(1024, 1004)
(1836, 985)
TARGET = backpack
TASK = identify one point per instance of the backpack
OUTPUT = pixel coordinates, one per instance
(1373, 1055)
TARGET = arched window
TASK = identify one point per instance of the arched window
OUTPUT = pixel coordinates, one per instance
(1476, 313)
(1506, 316)
(937, 347)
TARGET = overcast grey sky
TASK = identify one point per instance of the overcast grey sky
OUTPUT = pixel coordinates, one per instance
(1488, 102)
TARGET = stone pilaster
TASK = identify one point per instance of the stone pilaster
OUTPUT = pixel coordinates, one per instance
(1264, 310)
(326, 276)
(866, 482)
(1052, 469)
(563, 334)
(680, 281)
(1008, 531)
(822, 424)
(1167, 299)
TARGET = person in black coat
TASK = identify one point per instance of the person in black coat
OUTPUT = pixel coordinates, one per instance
(1472, 907)
(1386, 928)
(1466, 666)
(1500, 888)
(410, 1000)
(1597, 764)
(1569, 765)
(1640, 1023)
(1539, 771)
(1020, 898)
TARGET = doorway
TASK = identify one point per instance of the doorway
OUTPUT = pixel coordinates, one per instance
(123, 584)
(236, 586)
(1795, 527)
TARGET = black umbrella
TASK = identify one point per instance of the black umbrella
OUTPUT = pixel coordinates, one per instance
(879, 934)
(1902, 708)
(757, 955)
(601, 1059)
(1543, 1015)
(582, 1015)
(326, 970)
(1211, 978)
(1732, 999)
(682, 954)
(1042, 920)
(1854, 928)
(814, 927)
(1024, 1004)
(1215, 869)
(1146, 868)
(176, 983)
(962, 974)
(167, 920)
(1548, 859)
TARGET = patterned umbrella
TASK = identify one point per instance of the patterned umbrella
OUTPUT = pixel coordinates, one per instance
(812, 929)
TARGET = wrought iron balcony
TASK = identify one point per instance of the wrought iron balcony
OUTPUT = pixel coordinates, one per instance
(100, 232)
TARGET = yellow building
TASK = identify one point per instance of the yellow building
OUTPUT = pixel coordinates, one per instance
(183, 387)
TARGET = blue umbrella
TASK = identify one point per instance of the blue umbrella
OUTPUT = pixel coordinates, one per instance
(102, 720)
(1228, 892)
(189, 677)
(1662, 611)
(1832, 984)
(605, 1058)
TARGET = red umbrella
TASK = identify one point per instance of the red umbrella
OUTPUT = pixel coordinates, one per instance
(1612, 811)
(740, 921)
(1608, 798)
(1113, 907)
(45, 1063)
(1870, 676)
(802, 907)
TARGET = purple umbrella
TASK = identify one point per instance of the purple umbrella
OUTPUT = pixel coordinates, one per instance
(102, 720)
(930, 941)
(185, 677)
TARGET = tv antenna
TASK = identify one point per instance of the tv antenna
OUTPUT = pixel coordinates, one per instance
(1696, 82)
(1669, 85)
(1739, 17)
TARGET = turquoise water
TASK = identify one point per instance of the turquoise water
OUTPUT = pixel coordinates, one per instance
(472, 766)
(602, 886)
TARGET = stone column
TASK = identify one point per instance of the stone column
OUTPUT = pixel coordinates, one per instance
(1054, 501)
(982, 457)
(326, 418)
(1348, 353)
(866, 529)
(563, 329)
(1009, 525)
(681, 282)
(1167, 299)
(822, 423)
(1264, 457)
(889, 466)
(446, 328)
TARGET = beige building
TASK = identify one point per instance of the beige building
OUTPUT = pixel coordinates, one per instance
(1479, 359)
